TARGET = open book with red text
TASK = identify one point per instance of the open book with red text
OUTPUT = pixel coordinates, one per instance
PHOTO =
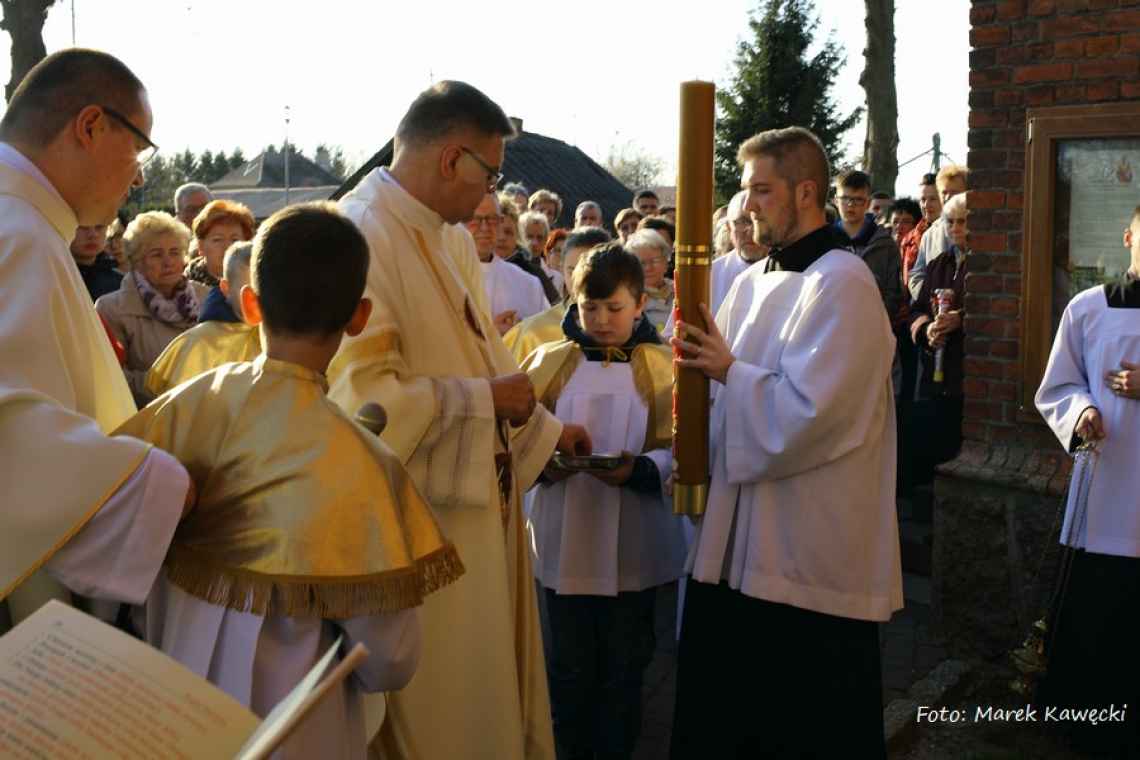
(72, 686)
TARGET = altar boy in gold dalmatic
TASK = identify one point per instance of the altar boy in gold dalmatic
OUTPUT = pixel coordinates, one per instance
(213, 342)
(306, 527)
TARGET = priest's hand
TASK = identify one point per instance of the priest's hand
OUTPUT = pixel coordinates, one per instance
(1124, 382)
(1090, 426)
(513, 396)
(706, 351)
(505, 320)
(575, 441)
(618, 476)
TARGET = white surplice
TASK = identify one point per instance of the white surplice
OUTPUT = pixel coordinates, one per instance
(52, 342)
(1093, 339)
(724, 273)
(426, 355)
(257, 660)
(509, 288)
(591, 538)
(801, 506)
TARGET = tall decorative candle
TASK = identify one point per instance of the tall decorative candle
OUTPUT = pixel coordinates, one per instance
(694, 252)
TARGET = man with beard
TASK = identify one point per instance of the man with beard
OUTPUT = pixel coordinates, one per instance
(796, 558)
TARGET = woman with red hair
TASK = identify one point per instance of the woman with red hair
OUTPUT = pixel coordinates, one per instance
(218, 225)
(552, 257)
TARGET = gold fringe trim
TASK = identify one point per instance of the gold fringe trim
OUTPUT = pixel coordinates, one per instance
(330, 597)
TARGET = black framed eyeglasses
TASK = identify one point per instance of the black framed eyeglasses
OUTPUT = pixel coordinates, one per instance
(494, 176)
(146, 154)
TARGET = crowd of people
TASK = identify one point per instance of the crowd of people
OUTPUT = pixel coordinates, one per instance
(214, 373)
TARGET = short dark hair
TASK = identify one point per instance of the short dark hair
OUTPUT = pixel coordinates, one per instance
(853, 179)
(63, 84)
(309, 268)
(658, 223)
(908, 206)
(1135, 216)
(586, 237)
(798, 154)
(607, 267)
(880, 195)
(928, 179)
(448, 106)
(644, 193)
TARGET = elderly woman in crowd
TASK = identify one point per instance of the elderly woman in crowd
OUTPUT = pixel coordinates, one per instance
(547, 203)
(653, 250)
(625, 223)
(218, 225)
(938, 416)
(156, 301)
(507, 244)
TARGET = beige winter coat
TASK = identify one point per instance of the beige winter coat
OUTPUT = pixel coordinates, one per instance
(142, 335)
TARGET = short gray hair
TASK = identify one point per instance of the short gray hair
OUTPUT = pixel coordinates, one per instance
(185, 191)
(533, 217)
(237, 257)
(956, 206)
(647, 239)
(585, 205)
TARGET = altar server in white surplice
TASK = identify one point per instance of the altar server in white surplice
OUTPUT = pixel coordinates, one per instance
(512, 293)
(1090, 394)
(745, 252)
(796, 560)
(464, 422)
(72, 142)
(604, 542)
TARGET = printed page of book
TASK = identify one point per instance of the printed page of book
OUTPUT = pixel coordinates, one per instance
(72, 686)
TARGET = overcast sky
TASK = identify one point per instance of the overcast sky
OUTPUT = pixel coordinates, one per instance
(595, 73)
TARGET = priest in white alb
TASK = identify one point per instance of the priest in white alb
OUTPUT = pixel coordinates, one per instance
(465, 423)
(97, 514)
(513, 294)
(745, 252)
(796, 560)
(1090, 397)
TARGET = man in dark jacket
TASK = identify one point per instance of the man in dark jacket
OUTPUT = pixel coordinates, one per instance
(868, 240)
(96, 267)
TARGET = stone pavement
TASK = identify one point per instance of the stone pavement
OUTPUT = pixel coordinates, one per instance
(907, 645)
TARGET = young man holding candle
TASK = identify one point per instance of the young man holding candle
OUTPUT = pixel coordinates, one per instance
(796, 558)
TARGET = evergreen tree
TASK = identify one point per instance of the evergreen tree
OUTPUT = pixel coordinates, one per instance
(184, 167)
(205, 167)
(776, 84)
(237, 158)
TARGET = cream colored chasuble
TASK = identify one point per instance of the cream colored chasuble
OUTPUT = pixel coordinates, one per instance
(52, 342)
(426, 355)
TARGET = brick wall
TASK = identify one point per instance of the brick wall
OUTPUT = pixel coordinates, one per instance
(1026, 53)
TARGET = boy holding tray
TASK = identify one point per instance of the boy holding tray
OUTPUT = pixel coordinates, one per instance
(603, 536)
(306, 525)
